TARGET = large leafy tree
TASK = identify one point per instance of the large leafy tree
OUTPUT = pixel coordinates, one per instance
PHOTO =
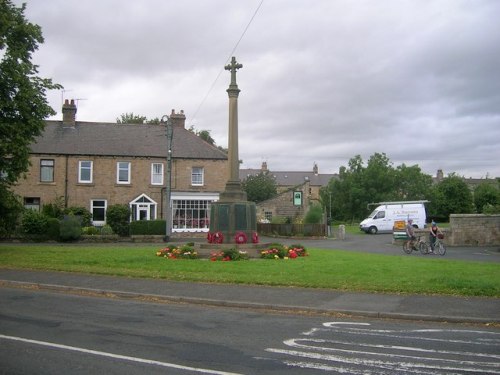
(260, 187)
(451, 196)
(347, 197)
(23, 104)
(487, 197)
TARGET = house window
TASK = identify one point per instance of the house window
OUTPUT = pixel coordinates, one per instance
(123, 172)
(85, 172)
(157, 174)
(190, 215)
(32, 203)
(268, 215)
(197, 176)
(47, 170)
(98, 209)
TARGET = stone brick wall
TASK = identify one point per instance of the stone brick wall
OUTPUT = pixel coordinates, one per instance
(474, 230)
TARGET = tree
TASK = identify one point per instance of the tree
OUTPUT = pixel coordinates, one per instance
(451, 196)
(130, 118)
(412, 184)
(23, 104)
(487, 195)
(260, 188)
(348, 196)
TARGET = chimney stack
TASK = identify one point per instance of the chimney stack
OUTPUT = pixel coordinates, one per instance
(69, 113)
(178, 119)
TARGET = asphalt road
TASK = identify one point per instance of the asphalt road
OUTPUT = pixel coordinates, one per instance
(382, 244)
(54, 333)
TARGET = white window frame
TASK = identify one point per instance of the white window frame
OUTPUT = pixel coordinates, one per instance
(197, 174)
(156, 177)
(98, 222)
(120, 167)
(81, 168)
(47, 168)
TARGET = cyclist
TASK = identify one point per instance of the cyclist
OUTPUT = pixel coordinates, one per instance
(433, 234)
(410, 232)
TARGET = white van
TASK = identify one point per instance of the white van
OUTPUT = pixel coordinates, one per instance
(383, 217)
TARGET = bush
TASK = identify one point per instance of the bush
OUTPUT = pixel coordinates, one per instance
(148, 227)
(34, 223)
(118, 217)
(314, 215)
(82, 212)
(54, 209)
(10, 212)
(91, 231)
(106, 230)
(53, 229)
(70, 228)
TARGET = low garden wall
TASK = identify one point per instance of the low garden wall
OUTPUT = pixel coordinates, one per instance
(474, 230)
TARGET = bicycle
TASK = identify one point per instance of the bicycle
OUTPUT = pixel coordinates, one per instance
(439, 247)
(415, 245)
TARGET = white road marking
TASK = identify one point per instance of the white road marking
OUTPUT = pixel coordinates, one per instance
(347, 352)
(116, 356)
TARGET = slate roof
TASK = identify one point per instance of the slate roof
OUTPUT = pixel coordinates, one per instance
(290, 178)
(125, 140)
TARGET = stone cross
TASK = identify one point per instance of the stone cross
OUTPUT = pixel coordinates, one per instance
(233, 67)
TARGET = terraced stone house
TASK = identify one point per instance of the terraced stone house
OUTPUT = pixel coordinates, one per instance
(95, 165)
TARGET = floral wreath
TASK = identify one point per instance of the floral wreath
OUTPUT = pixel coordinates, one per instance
(240, 238)
(217, 237)
(255, 237)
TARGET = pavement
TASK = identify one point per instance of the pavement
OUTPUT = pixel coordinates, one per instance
(280, 299)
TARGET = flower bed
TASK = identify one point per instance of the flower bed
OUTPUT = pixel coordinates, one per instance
(278, 251)
(178, 252)
(228, 255)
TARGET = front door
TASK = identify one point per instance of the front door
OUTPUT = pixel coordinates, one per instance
(143, 212)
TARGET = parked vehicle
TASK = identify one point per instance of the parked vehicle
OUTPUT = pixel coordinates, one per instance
(383, 217)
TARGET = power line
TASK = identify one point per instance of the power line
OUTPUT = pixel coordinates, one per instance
(227, 60)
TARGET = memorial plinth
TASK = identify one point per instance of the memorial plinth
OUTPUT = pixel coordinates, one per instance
(233, 218)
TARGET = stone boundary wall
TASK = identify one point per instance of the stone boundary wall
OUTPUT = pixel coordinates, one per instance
(474, 230)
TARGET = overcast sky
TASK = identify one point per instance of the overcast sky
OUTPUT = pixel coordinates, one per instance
(322, 80)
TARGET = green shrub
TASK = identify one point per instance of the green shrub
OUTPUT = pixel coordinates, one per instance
(53, 228)
(106, 230)
(90, 231)
(148, 227)
(70, 228)
(314, 215)
(34, 223)
(10, 212)
(54, 209)
(118, 217)
(82, 212)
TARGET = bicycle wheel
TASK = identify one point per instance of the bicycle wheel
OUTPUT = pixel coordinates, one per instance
(424, 249)
(407, 247)
(440, 248)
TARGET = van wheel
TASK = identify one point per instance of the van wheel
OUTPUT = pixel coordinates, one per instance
(372, 230)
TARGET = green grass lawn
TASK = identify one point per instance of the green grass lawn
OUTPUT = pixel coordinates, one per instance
(332, 269)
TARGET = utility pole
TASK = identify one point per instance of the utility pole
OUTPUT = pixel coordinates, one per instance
(168, 210)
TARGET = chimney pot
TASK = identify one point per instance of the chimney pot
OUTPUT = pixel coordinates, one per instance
(69, 113)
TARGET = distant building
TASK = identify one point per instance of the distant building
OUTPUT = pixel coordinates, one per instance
(296, 191)
(95, 165)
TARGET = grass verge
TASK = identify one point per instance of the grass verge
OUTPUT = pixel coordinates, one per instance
(331, 269)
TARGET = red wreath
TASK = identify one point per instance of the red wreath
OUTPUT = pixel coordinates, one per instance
(240, 238)
(255, 237)
(217, 237)
(210, 237)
